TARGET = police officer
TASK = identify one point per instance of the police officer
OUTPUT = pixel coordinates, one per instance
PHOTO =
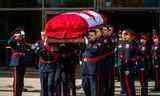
(48, 58)
(105, 68)
(89, 64)
(19, 50)
(143, 62)
(155, 51)
(127, 58)
(69, 60)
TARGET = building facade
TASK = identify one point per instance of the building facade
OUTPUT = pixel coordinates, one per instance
(32, 14)
(133, 13)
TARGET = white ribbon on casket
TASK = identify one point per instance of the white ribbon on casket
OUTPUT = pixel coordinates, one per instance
(98, 18)
(92, 21)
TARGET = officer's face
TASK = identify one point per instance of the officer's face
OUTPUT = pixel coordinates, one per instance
(18, 37)
(120, 35)
(155, 40)
(91, 36)
(126, 36)
(98, 33)
(110, 30)
(42, 36)
(143, 41)
(107, 31)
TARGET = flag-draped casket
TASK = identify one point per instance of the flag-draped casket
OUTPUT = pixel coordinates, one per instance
(71, 26)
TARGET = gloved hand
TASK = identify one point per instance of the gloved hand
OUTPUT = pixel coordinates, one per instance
(127, 72)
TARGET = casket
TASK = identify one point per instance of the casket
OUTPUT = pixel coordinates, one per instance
(71, 26)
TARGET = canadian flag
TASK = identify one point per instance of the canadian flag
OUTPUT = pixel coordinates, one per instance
(72, 25)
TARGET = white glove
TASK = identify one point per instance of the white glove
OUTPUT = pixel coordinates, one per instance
(127, 72)
(80, 63)
(156, 66)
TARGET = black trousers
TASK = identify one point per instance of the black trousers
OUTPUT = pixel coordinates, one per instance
(157, 77)
(66, 79)
(47, 80)
(105, 78)
(18, 81)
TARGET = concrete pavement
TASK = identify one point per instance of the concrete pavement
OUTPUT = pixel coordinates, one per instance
(33, 86)
(32, 83)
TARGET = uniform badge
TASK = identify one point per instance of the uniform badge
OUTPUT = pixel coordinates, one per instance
(36, 44)
(120, 46)
(127, 46)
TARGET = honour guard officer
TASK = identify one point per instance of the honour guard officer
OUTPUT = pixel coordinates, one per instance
(48, 58)
(89, 64)
(127, 57)
(69, 60)
(155, 51)
(105, 68)
(19, 49)
(142, 66)
(119, 41)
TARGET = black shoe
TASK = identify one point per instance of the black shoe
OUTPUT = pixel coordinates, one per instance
(155, 90)
(25, 89)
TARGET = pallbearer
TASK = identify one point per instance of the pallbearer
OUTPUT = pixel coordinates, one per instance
(156, 60)
(69, 60)
(48, 58)
(89, 61)
(105, 68)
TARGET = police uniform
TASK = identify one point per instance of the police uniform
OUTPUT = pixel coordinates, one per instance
(142, 66)
(89, 61)
(18, 60)
(69, 60)
(126, 62)
(47, 68)
(105, 68)
(155, 51)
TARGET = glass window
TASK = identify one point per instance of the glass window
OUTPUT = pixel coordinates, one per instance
(127, 3)
(132, 3)
(151, 3)
(18, 3)
(30, 20)
(68, 3)
(2, 24)
(47, 3)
